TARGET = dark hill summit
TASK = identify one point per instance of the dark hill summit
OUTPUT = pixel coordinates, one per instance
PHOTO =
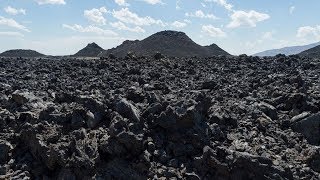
(169, 43)
(21, 53)
(213, 48)
(91, 50)
(312, 53)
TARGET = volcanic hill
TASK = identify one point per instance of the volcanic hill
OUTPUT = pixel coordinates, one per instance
(21, 53)
(91, 50)
(312, 53)
(169, 43)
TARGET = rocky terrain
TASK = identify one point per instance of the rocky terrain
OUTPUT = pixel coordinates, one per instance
(169, 43)
(21, 53)
(91, 50)
(160, 118)
(312, 53)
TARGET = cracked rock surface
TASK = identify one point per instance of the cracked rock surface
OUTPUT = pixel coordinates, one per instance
(160, 118)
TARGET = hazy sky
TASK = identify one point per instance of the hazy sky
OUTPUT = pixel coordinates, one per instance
(61, 27)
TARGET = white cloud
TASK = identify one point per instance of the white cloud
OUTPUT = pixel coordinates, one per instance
(243, 18)
(124, 2)
(12, 23)
(41, 2)
(187, 21)
(16, 34)
(121, 26)
(126, 16)
(223, 3)
(268, 35)
(201, 14)
(90, 29)
(266, 41)
(309, 31)
(153, 2)
(213, 31)
(13, 11)
(265, 38)
(96, 15)
(121, 2)
(178, 4)
(178, 24)
(291, 9)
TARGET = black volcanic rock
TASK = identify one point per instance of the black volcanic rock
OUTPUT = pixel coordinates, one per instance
(168, 43)
(217, 117)
(91, 50)
(21, 53)
(312, 53)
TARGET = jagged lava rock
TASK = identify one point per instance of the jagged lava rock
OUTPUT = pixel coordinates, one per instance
(309, 127)
(138, 117)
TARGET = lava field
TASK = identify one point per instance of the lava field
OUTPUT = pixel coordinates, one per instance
(225, 118)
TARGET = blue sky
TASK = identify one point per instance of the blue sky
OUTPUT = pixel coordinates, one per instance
(61, 27)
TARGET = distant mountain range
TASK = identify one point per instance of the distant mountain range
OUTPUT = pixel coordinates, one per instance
(91, 50)
(312, 53)
(169, 43)
(287, 50)
(21, 53)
